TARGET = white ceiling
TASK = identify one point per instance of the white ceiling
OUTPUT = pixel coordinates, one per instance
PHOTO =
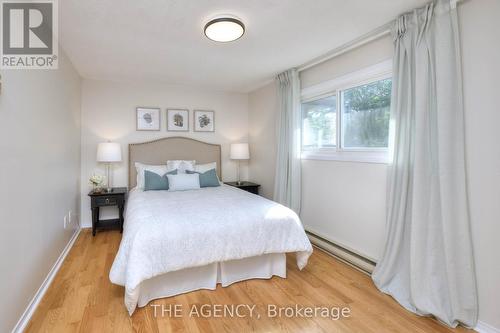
(163, 40)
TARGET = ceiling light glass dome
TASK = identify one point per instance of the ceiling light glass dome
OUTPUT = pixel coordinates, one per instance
(224, 29)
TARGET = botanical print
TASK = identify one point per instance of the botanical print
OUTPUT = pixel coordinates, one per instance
(148, 119)
(177, 120)
(204, 121)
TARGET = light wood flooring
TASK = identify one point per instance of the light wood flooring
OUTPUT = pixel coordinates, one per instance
(82, 299)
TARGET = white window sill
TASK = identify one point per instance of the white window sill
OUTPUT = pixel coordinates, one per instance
(380, 157)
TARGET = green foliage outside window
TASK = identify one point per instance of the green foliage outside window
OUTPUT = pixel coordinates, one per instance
(366, 115)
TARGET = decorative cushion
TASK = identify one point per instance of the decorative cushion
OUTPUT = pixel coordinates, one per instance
(201, 168)
(155, 182)
(183, 182)
(181, 165)
(208, 178)
(140, 168)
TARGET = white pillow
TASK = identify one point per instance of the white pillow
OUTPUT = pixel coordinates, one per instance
(181, 165)
(183, 182)
(158, 169)
(205, 167)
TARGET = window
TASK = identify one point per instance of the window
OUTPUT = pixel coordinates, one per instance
(319, 123)
(348, 118)
(365, 115)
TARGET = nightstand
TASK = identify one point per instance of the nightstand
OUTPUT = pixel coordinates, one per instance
(246, 186)
(104, 199)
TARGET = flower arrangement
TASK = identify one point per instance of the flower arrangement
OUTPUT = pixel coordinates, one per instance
(96, 181)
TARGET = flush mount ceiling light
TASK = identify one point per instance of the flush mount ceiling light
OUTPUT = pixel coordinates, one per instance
(224, 29)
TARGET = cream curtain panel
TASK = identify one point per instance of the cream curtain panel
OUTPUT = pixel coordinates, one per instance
(427, 264)
(287, 184)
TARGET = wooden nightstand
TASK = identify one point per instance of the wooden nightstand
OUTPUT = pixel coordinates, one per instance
(247, 186)
(103, 199)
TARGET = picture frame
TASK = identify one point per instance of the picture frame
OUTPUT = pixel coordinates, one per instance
(204, 121)
(148, 119)
(178, 120)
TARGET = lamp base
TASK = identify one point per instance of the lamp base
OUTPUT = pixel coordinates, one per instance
(108, 178)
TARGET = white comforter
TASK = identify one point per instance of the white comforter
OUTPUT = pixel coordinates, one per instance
(168, 231)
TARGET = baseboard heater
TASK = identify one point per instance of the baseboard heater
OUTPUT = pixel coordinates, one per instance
(345, 255)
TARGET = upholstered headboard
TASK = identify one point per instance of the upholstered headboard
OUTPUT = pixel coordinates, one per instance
(172, 148)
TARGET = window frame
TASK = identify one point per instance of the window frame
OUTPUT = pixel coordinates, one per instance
(336, 87)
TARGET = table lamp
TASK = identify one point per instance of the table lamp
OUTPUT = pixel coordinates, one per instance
(239, 151)
(109, 152)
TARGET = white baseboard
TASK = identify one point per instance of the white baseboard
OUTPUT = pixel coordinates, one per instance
(355, 260)
(482, 327)
(25, 318)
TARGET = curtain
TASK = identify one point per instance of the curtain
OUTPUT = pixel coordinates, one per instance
(427, 264)
(287, 184)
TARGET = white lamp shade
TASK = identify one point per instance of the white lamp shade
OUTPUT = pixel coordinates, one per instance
(109, 152)
(240, 151)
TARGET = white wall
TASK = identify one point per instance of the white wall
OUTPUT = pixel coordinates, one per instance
(39, 178)
(108, 113)
(331, 189)
(345, 203)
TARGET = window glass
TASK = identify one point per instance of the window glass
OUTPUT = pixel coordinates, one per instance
(365, 115)
(319, 123)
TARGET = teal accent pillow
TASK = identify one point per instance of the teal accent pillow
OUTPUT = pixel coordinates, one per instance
(155, 182)
(208, 178)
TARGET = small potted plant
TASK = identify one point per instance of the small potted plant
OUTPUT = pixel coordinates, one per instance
(96, 181)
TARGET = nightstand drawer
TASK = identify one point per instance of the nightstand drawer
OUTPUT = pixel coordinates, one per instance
(106, 201)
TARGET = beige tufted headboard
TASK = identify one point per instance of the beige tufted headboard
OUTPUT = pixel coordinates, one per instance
(172, 148)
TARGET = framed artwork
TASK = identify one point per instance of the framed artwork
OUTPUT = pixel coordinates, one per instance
(177, 120)
(204, 121)
(148, 119)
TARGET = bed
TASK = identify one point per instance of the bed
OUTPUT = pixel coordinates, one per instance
(177, 242)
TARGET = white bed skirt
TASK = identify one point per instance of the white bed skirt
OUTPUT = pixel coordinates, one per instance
(207, 277)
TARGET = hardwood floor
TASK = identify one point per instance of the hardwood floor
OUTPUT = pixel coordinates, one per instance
(82, 299)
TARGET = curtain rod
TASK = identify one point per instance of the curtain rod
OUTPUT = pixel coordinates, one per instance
(355, 43)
